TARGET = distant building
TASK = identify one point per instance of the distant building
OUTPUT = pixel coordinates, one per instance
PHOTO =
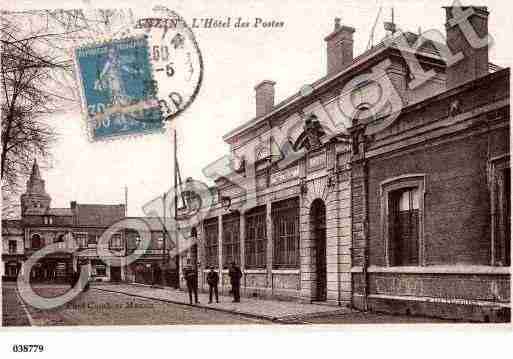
(41, 225)
(13, 251)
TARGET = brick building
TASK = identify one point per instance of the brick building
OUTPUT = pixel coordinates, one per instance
(41, 225)
(400, 209)
(431, 197)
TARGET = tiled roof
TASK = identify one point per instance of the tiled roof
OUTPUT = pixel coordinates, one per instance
(427, 49)
(59, 212)
(155, 223)
(99, 215)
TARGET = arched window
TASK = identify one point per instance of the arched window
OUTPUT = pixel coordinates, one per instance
(36, 241)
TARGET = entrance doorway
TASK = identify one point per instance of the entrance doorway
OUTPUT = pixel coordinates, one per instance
(318, 225)
(115, 274)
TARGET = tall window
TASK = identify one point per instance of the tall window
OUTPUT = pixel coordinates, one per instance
(501, 212)
(81, 239)
(36, 241)
(255, 244)
(211, 244)
(13, 247)
(91, 239)
(285, 217)
(160, 241)
(115, 241)
(231, 239)
(404, 227)
(402, 217)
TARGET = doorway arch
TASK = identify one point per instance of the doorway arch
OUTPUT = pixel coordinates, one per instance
(318, 228)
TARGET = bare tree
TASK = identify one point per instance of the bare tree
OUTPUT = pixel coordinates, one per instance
(37, 80)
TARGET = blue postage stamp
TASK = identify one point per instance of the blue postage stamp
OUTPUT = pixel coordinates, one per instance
(119, 94)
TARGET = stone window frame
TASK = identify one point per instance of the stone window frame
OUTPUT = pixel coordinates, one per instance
(495, 164)
(289, 212)
(255, 219)
(10, 245)
(116, 241)
(77, 235)
(211, 242)
(413, 180)
(231, 239)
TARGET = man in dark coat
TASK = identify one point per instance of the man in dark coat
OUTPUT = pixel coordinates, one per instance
(235, 276)
(213, 281)
(191, 277)
(157, 275)
(73, 278)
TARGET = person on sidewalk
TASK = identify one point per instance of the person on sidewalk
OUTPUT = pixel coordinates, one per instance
(157, 274)
(213, 281)
(191, 277)
(235, 276)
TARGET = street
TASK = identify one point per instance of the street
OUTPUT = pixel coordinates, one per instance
(96, 307)
(99, 306)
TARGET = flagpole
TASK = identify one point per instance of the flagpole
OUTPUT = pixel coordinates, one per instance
(164, 254)
(177, 240)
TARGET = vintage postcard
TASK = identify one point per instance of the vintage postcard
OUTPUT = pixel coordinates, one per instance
(255, 163)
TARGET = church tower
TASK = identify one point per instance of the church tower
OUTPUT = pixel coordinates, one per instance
(35, 201)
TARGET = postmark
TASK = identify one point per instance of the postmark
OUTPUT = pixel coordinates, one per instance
(117, 87)
(149, 72)
(175, 57)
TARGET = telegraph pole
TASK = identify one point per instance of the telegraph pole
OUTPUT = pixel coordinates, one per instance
(164, 257)
(177, 258)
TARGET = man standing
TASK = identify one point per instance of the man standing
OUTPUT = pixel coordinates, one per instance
(213, 281)
(191, 277)
(235, 276)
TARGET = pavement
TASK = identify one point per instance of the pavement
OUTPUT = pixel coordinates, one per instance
(273, 310)
(126, 304)
(99, 308)
(14, 311)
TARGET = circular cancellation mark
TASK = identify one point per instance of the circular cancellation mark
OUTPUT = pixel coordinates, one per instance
(176, 60)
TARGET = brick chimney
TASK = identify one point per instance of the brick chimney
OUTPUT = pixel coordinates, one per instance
(264, 97)
(339, 45)
(467, 32)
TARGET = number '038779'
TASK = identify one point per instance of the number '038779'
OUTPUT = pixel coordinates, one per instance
(28, 348)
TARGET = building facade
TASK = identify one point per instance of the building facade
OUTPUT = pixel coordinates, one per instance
(13, 249)
(41, 225)
(78, 230)
(431, 197)
(400, 209)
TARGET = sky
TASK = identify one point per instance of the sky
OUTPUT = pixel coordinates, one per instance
(235, 60)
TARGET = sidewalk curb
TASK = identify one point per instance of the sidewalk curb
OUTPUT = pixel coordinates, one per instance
(245, 314)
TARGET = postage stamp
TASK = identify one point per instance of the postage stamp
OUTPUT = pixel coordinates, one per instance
(118, 90)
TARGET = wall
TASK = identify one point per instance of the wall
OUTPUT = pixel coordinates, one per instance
(457, 201)
(449, 139)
